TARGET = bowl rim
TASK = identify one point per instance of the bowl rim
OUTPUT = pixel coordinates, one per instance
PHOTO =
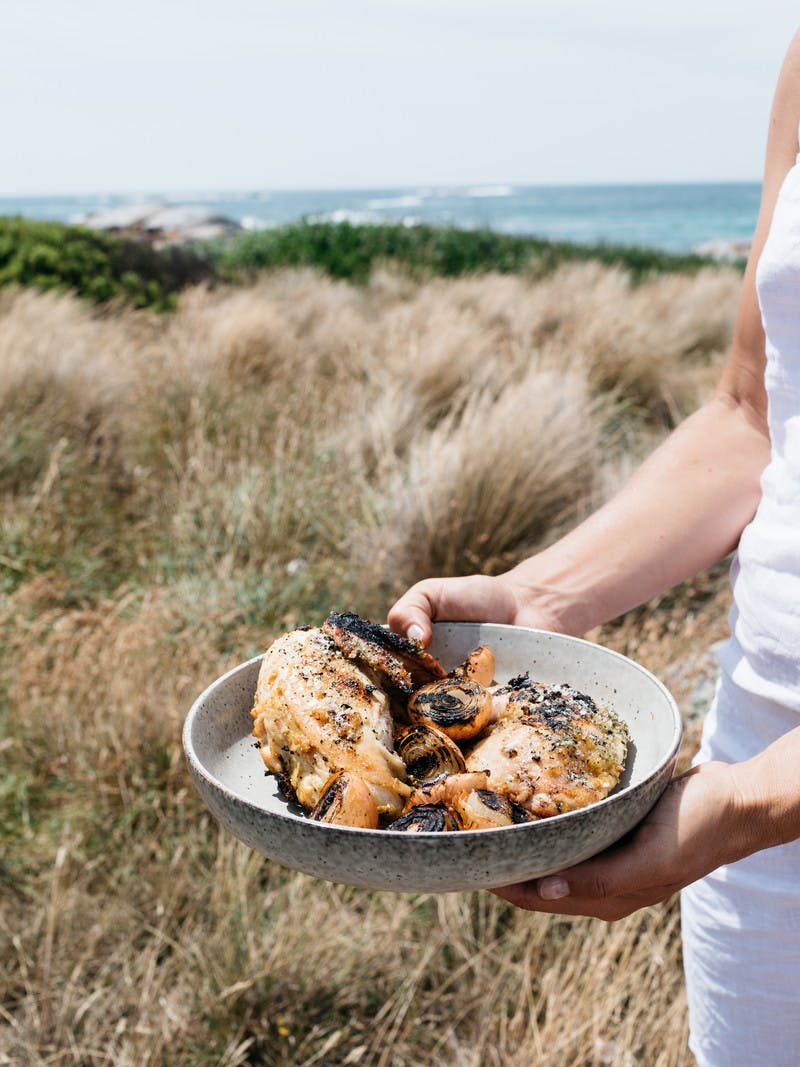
(615, 796)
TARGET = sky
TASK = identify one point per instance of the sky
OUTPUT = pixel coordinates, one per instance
(166, 95)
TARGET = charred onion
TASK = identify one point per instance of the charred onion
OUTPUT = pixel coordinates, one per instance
(478, 666)
(482, 809)
(428, 818)
(428, 753)
(347, 801)
(449, 789)
(459, 707)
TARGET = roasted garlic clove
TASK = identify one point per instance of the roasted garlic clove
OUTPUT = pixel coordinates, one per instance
(428, 753)
(478, 666)
(347, 801)
(427, 818)
(459, 707)
(482, 809)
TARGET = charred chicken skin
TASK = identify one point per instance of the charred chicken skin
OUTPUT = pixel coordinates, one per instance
(317, 713)
(328, 713)
(399, 663)
(550, 749)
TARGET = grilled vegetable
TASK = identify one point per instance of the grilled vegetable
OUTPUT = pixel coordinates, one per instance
(347, 801)
(448, 789)
(478, 666)
(428, 754)
(459, 707)
(482, 809)
(427, 818)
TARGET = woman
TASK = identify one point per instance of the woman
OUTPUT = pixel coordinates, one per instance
(728, 476)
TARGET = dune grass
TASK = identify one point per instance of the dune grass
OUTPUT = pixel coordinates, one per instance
(177, 490)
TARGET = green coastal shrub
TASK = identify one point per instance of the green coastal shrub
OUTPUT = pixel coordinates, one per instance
(350, 251)
(100, 267)
(49, 255)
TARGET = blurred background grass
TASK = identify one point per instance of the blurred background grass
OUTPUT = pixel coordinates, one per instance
(178, 488)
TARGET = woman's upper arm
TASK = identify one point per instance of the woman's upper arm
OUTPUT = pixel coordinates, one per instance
(742, 380)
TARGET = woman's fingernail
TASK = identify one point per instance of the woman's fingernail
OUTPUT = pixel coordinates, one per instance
(414, 632)
(553, 888)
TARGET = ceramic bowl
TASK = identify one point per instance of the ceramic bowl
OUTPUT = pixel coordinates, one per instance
(230, 776)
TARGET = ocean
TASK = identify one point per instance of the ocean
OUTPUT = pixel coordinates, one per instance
(674, 217)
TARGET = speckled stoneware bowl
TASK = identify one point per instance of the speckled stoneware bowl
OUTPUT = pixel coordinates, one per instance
(231, 779)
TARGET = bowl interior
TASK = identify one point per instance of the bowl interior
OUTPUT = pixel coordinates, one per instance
(219, 744)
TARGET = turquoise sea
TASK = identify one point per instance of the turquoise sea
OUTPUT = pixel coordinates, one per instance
(673, 217)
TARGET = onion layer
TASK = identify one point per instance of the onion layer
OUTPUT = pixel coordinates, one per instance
(428, 818)
(478, 666)
(428, 753)
(347, 801)
(482, 809)
(459, 707)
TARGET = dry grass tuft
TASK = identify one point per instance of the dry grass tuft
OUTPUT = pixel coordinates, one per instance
(175, 491)
(459, 505)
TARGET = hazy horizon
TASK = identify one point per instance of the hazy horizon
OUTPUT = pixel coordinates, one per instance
(374, 94)
(246, 191)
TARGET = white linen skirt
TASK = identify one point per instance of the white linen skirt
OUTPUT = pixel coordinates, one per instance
(741, 924)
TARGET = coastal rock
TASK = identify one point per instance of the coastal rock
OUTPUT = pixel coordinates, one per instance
(161, 223)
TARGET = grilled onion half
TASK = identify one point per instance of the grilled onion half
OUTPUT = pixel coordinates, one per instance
(428, 753)
(428, 818)
(459, 707)
(346, 800)
(482, 809)
(478, 666)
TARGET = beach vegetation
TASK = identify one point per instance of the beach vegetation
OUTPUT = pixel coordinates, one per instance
(349, 251)
(95, 265)
(103, 267)
(177, 490)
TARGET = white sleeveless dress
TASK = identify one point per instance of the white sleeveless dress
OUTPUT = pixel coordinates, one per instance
(741, 924)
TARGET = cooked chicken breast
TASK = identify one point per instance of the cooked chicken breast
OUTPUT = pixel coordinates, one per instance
(402, 664)
(317, 713)
(551, 749)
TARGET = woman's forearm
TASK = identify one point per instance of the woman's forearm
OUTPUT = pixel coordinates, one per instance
(768, 788)
(682, 511)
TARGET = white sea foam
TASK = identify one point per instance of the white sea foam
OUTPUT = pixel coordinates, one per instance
(379, 203)
(251, 222)
(344, 214)
(489, 190)
(360, 218)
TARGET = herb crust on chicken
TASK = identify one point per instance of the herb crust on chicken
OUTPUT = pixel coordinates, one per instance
(317, 712)
(550, 749)
(331, 703)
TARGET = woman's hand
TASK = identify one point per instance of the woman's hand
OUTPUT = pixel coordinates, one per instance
(477, 598)
(700, 823)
